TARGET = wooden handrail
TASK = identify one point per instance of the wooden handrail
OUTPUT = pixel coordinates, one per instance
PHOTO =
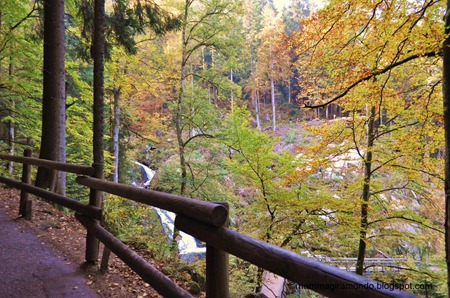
(26, 205)
(75, 205)
(319, 277)
(149, 274)
(64, 167)
(207, 212)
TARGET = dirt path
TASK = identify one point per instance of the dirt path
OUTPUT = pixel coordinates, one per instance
(29, 267)
(64, 241)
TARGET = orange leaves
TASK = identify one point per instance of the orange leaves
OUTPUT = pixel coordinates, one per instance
(348, 43)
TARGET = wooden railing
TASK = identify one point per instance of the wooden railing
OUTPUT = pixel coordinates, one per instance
(204, 220)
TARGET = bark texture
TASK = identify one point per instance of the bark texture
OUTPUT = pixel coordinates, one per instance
(53, 102)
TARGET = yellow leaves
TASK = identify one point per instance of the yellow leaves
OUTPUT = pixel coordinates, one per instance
(273, 57)
(350, 42)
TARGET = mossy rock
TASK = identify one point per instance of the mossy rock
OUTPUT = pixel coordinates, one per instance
(194, 288)
(194, 276)
(168, 270)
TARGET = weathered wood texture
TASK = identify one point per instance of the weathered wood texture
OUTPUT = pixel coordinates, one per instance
(24, 196)
(95, 200)
(207, 212)
(161, 283)
(75, 205)
(217, 269)
(319, 277)
(75, 169)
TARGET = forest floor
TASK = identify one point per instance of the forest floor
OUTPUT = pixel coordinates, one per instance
(67, 236)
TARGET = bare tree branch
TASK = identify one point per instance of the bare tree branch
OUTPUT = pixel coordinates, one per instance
(373, 74)
(407, 219)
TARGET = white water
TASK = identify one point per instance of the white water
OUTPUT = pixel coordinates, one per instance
(188, 247)
(149, 174)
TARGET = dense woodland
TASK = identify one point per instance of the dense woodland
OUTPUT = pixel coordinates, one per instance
(322, 127)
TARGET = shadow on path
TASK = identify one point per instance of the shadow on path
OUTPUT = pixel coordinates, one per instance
(29, 267)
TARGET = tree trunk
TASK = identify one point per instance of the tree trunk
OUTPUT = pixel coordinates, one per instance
(446, 103)
(366, 194)
(53, 102)
(115, 136)
(272, 96)
(232, 96)
(11, 138)
(179, 114)
(289, 91)
(98, 52)
(11, 125)
(179, 130)
(98, 55)
(179, 111)
(257, 109)
(61, 179)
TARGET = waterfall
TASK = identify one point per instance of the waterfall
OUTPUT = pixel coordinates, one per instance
(189, 248)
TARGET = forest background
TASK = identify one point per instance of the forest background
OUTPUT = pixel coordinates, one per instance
(322, 128)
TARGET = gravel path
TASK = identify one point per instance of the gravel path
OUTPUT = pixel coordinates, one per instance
(29, 267)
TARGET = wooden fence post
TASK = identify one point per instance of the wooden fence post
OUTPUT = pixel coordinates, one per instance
(217, 269)
(95, 199)
(25, 203)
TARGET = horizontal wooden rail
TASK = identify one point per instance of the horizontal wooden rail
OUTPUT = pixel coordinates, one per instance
(76, 169)
(207, 212)
(161, 283)
(75, 205)
(319, 277)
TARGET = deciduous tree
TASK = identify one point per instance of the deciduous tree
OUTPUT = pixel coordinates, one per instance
(205, 25)
(273, 63)
(380, 62)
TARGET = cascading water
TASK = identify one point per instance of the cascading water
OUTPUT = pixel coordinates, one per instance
(189, 248)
